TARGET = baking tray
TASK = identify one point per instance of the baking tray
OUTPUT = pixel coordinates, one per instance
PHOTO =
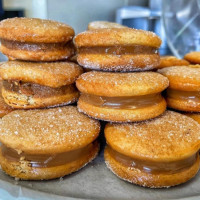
(94, 181)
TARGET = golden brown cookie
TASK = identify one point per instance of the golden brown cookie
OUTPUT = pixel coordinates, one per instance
(47, 143)
(161, 152)
(26, 95)
(184, 83)
(118, 49)
(53, 74)
(38, 85)
(34, 39)
(104, 24)
(121, 97)
(168, 61)
(193, 57)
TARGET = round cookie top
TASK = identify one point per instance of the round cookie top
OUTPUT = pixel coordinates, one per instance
(170, 137)
(193, 57)
(35, 30)
(121, 84)
(117, 36)
(104, 24)
(168, 61)
(186, 78)
(48, 131)
(52, 74)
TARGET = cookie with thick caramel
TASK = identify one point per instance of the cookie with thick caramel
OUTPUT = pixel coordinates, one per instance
(121, 97)
(47, 143)
(37, 85)
(104, 24)
(29, 95)
(34, 39)
(168, 61)
(118, 49)
(161, 152)
(193, 57)
(184, 83)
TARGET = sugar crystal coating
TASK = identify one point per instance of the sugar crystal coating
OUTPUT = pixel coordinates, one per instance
(116, 36)
(35, 30)
(171, 136)
(183, 77)
(121, 84)
(52, 130)
(54, 74)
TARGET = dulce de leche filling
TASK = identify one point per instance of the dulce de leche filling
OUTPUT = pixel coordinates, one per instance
(133, 102)
(119, 50)
(46, 160)
(154, 167)
(184, 95)
(33, 89)
(10, 44)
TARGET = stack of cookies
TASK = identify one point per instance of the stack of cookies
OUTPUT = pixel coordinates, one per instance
(184, 75)
(40, 83)
(183, 92)
(110, 95)
(42, 143)
(154, 152)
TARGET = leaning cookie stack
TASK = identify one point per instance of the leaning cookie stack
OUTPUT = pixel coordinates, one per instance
(40, 77)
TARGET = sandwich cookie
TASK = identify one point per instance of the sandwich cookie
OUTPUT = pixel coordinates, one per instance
(36, 39)
(118, 49)
(36, 85)
(121, 97)
(104, 24)
(47, 144)
(4, 108)
(161, 152)
(193, 57)
(168, 61)
(184, 87)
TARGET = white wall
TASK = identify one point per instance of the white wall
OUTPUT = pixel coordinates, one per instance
(32, 8)
(77, 13)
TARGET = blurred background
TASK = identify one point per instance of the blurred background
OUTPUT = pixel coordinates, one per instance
(177, 22)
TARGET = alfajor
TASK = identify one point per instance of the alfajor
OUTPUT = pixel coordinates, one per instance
(161, 152)
(104, 24)
(193, 57)
(118, 49)
(36, 85)
(47, 143)
(121, 97)
(184, 87)
(168, 61)
(34, 39)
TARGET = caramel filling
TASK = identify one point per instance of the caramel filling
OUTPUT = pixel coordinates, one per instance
(119, 50)
(154, 167)
(10, 44)
(184, 95)
(32, 89)
(46, 160)
(133, 102)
